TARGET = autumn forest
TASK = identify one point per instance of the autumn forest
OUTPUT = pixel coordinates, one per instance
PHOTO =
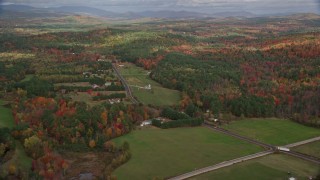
(64, 106)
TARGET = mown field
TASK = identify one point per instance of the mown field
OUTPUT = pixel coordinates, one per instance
(273, 131)
(164, 153)
(6, 118)
(275, 167)
(312, 149)
(159, 95)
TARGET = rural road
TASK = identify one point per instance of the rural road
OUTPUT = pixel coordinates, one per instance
(303, 142)
(303, 156)
(125, 84)
(271, 149)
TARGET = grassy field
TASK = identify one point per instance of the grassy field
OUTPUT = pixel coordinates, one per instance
(159, 95)
(85, 97)
(273, 131)
(27, 78)
(2, 102)
(6, 118)
(78, 84)
(312, 149)
(164, 153)
(275, 167)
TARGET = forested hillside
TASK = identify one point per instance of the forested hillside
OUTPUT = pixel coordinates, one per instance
(60, 95)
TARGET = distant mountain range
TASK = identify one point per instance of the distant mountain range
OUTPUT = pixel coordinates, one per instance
(130, 15)
(24, 10)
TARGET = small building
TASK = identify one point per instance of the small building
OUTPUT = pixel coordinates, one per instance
(108, 83)
(162, 119)
(84, 73)
(145, 123)
(114, 101)
(63, 91)
(94, 86)
(148, 87)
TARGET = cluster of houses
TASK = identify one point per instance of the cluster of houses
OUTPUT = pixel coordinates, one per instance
(114, 101)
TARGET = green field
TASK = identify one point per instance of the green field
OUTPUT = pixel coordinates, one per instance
(312, 149)
(6, 118)
(164, 153)
(273, 131)
(159, 95)
(2, 102)
(27, 78)
(275, 167)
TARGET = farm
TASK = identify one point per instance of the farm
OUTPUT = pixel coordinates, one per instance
(182, 149)
(138, 78)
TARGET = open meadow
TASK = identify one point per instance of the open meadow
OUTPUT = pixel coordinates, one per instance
(273, 131)
(165, 153)
(138, 78)
(6, 118)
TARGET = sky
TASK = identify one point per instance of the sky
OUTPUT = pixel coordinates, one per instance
(207, 6)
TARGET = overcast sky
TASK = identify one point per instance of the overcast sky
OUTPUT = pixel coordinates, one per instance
(208, 6)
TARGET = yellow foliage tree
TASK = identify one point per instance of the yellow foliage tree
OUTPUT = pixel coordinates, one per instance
(2, 149)
(92, 143)
(21, 92)
(109, 132)
(33, 146)
(118, 131)
(104, 117)
(121, 114)
(109, 146)
(12, 169)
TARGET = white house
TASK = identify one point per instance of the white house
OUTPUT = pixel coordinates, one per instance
(107, 84)
(148, 87)
(145, 123)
